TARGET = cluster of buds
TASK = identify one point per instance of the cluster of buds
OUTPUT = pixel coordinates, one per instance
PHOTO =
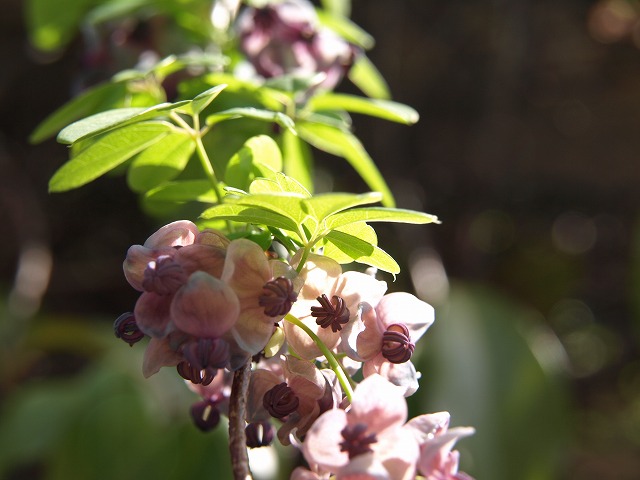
(286, 38)
(211, 306)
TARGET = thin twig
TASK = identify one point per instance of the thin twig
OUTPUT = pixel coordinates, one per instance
(237, 414)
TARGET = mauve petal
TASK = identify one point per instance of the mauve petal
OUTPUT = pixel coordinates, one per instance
(152, 312)
(205, 306)
(180, 233)
(321, 445)
(158, 354)
(253, 329)
(212, 238)
(378, 404)
(402, 307)
(246, 269)
(205, 258)
(261, 381)
(369, 341)
(138, 257)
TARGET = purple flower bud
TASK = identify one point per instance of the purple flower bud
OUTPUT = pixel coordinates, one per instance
(205, 415)
(126, 328)
(259, 434)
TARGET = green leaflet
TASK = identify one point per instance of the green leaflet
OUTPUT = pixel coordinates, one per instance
(323, 205)
(183, 191)
(362, 251)
(344, 144)
(160, 162)
(346, 29)
(259, 157)
(379, 214)
(385, 109)
(250, 214)
(254, 113)
(297, 159)
(367, 78)
(107, 153)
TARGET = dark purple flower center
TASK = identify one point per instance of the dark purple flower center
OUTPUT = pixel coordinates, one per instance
(277, 297)
(163, 276)
(259, 434)
(356, 441)
(202, 359)
(331, 314)
(396, 343)
(126, 328)
(280, 401)
(205, 415)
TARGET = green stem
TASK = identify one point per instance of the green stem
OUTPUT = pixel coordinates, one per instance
(337, 368)
(303, 259)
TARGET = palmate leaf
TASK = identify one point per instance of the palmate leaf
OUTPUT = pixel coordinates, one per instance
(161, 162)
(254, 113)
(288, 205)
(385, 109)
(107, 153)
(344, 144)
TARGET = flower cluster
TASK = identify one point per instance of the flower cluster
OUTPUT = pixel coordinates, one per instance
(211, 305)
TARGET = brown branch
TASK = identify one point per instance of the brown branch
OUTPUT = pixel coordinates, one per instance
(237, 414)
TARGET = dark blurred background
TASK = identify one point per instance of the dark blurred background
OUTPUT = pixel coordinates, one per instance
(526, 150)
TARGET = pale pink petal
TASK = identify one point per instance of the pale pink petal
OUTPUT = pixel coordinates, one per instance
(434, 455)
(378, 404)
(301, 473)
(299, 341)
(205, 306)
(320, 274)
(356, 287)
(364, 467)
(369, 341)
(426, 427)
(402, 375)
(402, 307)
(212, 238)
(398, 450)
(322, 443)
(180, 233)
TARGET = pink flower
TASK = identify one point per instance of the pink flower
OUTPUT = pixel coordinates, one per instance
(329, 304)
(368, 441)
(437, 461)
(296, 397)
(391, 329)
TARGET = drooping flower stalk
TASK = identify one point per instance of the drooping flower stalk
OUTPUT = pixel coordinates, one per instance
(336, 366)
(237, 424)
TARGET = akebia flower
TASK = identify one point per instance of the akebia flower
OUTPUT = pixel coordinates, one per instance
(329, 304)
(369, 439)
(286, 38)
(391, 329)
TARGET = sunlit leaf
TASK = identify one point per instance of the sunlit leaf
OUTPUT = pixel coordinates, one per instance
(386, 109)
(367, 78)
(285, 204)
(260, 156)
(84, 104)
(183, 191)
(326, 204)
(104, 121)
(344, 144)
(255, 113)
(338, 7)
(363, 252)
(297, 159)
(107, 153)
(250, 214)
(161, 162)
(346, 29)
(279, 184)
(201, 101)
(359, 230)
(379, 214)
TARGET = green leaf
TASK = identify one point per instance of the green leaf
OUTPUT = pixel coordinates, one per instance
(114, 9)
(359, 230)
(183, 191)
(281, 183)
(367, 78)
(285, 204)
(297, 159)
(250, 214)
(84, 104)
(379, 214)
(337, 7)
(344, 144)
(111, 119)
(53, 24)
(254, 113)
(202, 101)
(346, 29)
(362, 251)
(106, 154)
(326, 204)
(386, 109)
(161, 162)
(260, 156)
